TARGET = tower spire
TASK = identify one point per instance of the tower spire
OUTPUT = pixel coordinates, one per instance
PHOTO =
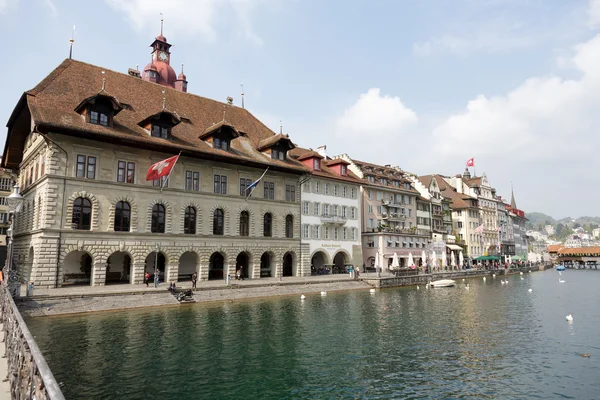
(71, 41)
(161, 23)
(513, 203)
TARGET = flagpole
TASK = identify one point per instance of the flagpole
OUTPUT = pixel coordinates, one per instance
(257, 182)
(170, 172)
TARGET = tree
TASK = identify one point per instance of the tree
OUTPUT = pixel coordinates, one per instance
(576, 225)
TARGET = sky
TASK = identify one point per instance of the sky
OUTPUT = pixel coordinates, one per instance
(427, 85)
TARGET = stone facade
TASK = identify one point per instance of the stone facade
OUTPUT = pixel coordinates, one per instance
(44, 235)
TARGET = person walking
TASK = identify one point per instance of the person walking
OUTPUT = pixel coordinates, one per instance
(194, 280)
(147, 278)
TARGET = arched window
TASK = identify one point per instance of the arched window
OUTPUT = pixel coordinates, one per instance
(158, 219)
(189, 221)
(289, 226)
(244, 223)
(82, 214)
(268, 225)
(218, 222)
(122, 216)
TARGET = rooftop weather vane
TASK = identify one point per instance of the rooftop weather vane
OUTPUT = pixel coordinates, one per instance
(164, 99)
(161, 24)
(103, 81)
(280, 127)
(71, 41)
(242, 85)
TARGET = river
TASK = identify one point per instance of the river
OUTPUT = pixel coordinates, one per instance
(492, 341)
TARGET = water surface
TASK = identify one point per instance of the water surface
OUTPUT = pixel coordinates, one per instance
(492, 341)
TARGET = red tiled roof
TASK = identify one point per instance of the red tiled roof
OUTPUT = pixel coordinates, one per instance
(302, 154)
(53, 101)
(568, 251)
(457, 200)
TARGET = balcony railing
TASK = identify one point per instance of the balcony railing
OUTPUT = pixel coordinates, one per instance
(393, 216)
(333, 219)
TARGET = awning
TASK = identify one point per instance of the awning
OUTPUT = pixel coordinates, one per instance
(454, 247)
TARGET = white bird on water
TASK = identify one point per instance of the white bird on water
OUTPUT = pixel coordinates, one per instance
(484, 278)
(417, 287)
(372, 291)
(467, 286)
(521, 273)
(560, 280)
(530, 290)
(522, 278)
(302, 297)
(570, 318)
(493, 275)
(463, 279)
(560, 273)
(323, 293)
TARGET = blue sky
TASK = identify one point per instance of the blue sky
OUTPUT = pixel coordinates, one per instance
(420, 84)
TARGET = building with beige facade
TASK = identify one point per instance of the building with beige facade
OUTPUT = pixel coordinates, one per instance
(82, 141)
(6, 184)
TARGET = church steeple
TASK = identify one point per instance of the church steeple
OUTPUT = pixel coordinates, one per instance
(513, 203)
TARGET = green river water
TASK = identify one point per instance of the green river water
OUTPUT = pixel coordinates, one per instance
(492, 341)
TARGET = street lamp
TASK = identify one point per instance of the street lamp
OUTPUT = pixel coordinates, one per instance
(15, 202)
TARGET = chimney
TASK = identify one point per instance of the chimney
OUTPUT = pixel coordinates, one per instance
(322, 150)
(459, 184)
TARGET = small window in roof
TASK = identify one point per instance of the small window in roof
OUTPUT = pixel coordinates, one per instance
(278, 154)
(316, 164)
(221, 143)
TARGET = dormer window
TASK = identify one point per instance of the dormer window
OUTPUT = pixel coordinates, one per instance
(222, 144)
(278, 154)
(316, 164)
(371, 178)
(99, 109)
(161, 131)
(344, 170)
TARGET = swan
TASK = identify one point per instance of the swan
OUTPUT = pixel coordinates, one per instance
(521, 273)
(530, 290)
(417, 287)
(493, 275)
(560, 280)
(463, 279)
(467, 286)
(372, 291)
(570, 318)
(522, 278)
(484, 278)
(323, 293)
(302, 297)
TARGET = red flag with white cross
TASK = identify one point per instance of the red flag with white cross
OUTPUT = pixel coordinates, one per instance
(471, 162)
(161, 168)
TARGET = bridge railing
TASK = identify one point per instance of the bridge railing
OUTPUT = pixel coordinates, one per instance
(28, 373)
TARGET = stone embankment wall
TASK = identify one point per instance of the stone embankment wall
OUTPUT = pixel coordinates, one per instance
(28, 374)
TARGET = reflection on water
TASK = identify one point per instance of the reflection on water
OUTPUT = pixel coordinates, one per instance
(492, 341)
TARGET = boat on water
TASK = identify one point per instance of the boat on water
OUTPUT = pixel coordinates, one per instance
(560, 267)
(443, 283)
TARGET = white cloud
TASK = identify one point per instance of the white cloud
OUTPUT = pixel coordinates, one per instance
(593, 13)
(6, 5)
(191, 18)
(375, 115)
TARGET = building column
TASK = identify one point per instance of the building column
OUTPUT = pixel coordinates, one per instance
(98, 274)
(137, 273)
(303, 261)
(172, 270)
(203, 271)
(278, 268)
(229, 270)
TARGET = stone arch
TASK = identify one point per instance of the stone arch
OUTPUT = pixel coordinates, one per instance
(226, 219)
(119, 267)
(319, 259)
(295, 225)
(217, 265)
(268, 263)
(245, 260)
(189, 262)
(289, 264)
(198, 216)
(168, 215)
(133, 223)
(341, 258)
(77, 266)
(252, 227)
(94, 223)
(273, 223)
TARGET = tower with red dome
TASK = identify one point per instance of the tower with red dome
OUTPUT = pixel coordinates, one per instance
(159, 70)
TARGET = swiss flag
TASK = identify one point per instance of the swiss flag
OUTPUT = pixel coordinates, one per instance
(161, 168)
(471, 162)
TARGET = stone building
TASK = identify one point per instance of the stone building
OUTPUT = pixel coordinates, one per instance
(6, 183)
(389, 214)
(330, 212)
(488, 210)
(518, 219)
(82, 141)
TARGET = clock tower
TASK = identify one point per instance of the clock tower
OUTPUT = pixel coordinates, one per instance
(159, 70)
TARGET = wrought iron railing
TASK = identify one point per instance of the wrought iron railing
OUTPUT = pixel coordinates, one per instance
(28, 373)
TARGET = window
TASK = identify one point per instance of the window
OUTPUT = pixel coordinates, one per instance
(343, 211)
(162, 182)
(335, 233)
(244, 183)
(267, 225)
(352, 212)
(161, 131)
(379, 210)
(459, 224)
(316, 209)
(353, 193)
(86, 167)
(278, 154)
(6, 184)
(316, 164)
(122, 216)
(335, 190)
(3, 201)
(316, 187)
(189, 221)
(325, 210)
(370, 208)
(334, 210)
(326, 188)
(220, 184)
(218, 222)
(158, 219)
(3, 218)
(305, 231)
(192, 180)
(353, 233)
(344, 234)
(126, 172)
(269, 190)
(244, 223)
(305, 207)
(98, 117)
(344, 170)
(289, 226)
(82, 214)
(344, 191)
(222, 144)
(369, 194)
(326, 232)
(290, 193)
(315, 231)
